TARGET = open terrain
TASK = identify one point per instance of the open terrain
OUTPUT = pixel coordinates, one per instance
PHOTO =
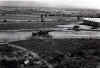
(75, 49)
(77, 53)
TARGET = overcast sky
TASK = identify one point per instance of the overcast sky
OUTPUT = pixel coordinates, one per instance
(59, 3)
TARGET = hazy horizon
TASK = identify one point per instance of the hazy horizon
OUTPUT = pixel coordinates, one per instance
(93, 4)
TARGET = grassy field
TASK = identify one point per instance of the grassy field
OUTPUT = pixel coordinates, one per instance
(28, 25)
(76, 47)
(63, 45)
(46, 47)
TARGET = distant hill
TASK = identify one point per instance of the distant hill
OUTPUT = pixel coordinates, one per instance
(37, 6)
(21, 4)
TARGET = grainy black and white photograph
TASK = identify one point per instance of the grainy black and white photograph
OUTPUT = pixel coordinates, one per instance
(49, 34)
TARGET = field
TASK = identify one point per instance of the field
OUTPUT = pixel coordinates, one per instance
(72, 48)
(63, 45)
(61, 53)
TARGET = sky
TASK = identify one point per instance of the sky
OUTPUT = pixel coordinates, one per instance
(95, 4)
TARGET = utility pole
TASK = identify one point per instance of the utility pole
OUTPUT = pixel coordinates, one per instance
(79, 19)
(43, 16)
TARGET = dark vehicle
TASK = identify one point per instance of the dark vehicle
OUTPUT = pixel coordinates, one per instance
(42, 33)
